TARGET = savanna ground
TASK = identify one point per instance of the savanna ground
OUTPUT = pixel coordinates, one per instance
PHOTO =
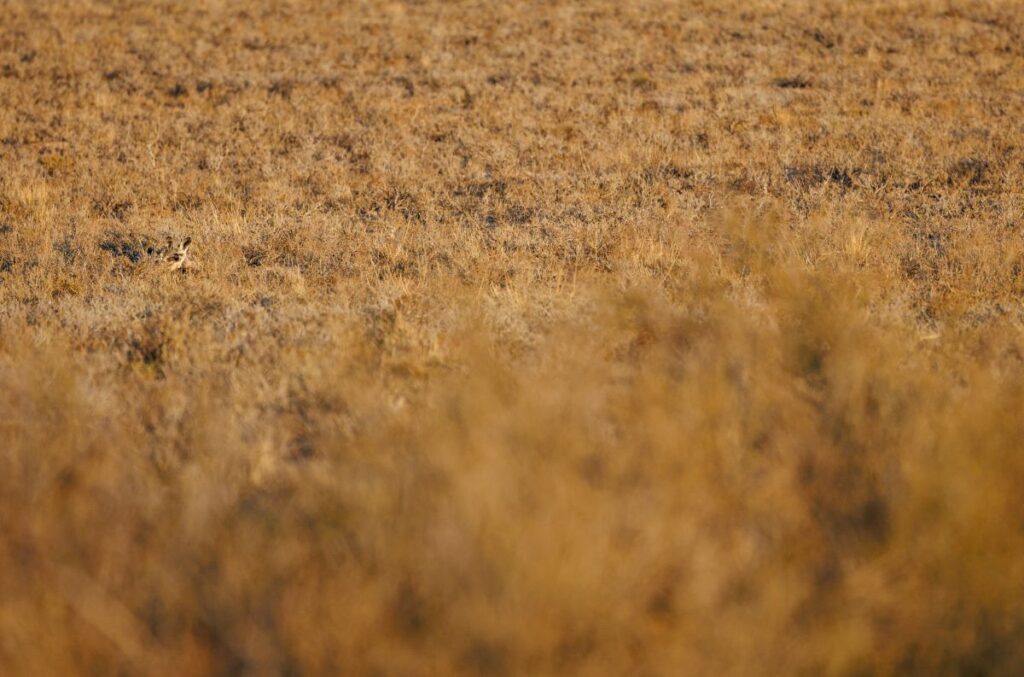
(523, 338)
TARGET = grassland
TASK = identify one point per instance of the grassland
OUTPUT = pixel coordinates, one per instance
(537, 338)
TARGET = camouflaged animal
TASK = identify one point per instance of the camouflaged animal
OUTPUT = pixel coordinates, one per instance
(175, 256)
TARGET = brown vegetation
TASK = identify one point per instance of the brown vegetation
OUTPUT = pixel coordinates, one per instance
(523, 338)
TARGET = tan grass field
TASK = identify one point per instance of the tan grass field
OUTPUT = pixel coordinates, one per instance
(522, 338)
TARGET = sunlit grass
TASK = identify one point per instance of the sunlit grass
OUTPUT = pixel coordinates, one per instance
(522, 339)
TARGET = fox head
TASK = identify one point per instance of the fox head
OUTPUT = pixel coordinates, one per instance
(177, 256)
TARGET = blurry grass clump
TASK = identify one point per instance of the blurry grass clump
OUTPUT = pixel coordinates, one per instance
(755, 464)
(524, 339)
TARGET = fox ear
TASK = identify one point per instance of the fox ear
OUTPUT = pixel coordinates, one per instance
(186, 244)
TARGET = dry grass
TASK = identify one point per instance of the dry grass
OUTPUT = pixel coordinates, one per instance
(523, 338)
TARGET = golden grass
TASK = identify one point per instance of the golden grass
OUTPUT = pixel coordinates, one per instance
(524, 338)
